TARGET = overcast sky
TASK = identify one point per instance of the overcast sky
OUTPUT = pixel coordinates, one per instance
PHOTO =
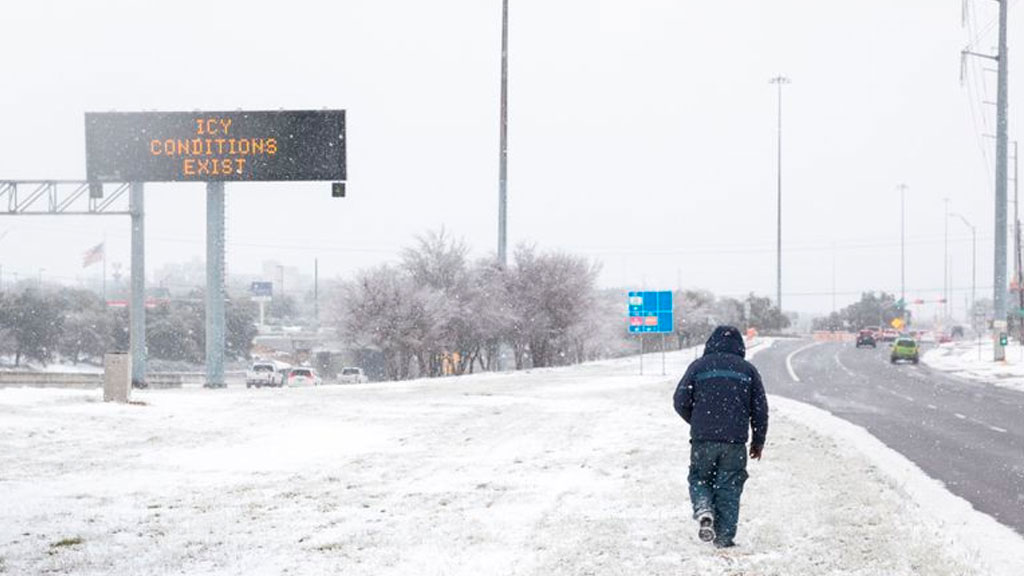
(642, 133)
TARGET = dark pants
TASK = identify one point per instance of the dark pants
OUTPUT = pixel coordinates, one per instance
(718, 471)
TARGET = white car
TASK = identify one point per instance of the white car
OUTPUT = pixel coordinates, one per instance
(352, 375)
(260, 374)
(302, 377)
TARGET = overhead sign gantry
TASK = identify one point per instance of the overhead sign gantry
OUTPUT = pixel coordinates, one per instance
(210, 147)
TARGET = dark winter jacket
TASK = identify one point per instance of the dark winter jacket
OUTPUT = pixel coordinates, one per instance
(721, 394)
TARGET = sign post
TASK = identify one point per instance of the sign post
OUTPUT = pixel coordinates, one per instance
(262, 292)
(650, 312)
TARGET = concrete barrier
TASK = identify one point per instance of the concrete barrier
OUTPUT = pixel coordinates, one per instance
(824, 336)
(90, 380)
(51, 380)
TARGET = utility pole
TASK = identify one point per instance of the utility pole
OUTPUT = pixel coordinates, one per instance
(779, 81)
(1019, 267)
(999, 283)
(503, 151)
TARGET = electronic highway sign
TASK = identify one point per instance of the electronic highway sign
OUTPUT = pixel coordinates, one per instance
(215, 146)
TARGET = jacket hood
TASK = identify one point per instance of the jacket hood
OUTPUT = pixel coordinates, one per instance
(726, 339)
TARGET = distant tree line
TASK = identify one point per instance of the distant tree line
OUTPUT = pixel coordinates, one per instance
(871, 310)
(74, 326)
(697, 312)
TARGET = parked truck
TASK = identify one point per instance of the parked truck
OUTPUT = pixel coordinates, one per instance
(261, 373)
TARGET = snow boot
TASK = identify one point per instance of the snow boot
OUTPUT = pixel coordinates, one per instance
(706, 533)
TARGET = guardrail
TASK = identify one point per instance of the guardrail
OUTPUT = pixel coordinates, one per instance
(823, 336)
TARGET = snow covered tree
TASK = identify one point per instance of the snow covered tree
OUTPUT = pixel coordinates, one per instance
(694, 316)
(551, 295)
(240, 327)
(383, 310)
(176, 331)
(438, 267)
(88, 330)
(765, 316)
(32, 322)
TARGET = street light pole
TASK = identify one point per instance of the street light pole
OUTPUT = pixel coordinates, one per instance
(503, 147)
(779, 81)
(974, 261)
(903, 245)
(945, 263)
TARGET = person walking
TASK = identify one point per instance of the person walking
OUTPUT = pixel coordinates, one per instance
(721, 397)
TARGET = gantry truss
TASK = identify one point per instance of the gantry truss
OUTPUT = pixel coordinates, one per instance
(63, 197)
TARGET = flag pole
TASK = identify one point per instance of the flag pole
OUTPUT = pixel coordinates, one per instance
(104, 269)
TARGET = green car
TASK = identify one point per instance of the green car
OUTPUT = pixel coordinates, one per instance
(904, 349)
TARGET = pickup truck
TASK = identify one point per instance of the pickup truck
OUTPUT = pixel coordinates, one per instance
(260, 374)
(351, 375)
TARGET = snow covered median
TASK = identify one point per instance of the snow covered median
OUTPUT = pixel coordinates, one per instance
(973, 360)
(565, 471)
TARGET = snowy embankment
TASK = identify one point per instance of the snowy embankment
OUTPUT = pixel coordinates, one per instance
(565, 471)
(973, 360)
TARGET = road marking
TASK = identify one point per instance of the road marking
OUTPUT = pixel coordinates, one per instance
(960, 416)
(845, 369)
(997, 429)
(896, 394)
(789, 360)
(933, 406)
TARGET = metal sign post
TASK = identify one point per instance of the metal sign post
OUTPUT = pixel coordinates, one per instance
(137, 314)
(262, 292)
(215, 328)
(662, 353)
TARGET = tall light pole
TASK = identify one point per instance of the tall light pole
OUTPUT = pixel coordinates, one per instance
(779, 81)
(503, 151)
(974, 261)
(903, 243)
(945, 262)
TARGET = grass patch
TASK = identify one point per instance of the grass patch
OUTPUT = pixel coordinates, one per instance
(67, 542)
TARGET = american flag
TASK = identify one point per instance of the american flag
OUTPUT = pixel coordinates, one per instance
(92, 255)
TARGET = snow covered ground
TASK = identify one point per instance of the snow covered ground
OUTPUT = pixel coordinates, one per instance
(973, 359)
(563, 471)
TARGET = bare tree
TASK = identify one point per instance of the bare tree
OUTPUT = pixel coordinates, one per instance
(382, 309)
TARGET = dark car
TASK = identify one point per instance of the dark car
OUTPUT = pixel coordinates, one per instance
(866, 338)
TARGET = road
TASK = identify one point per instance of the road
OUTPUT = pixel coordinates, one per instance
(968, 435)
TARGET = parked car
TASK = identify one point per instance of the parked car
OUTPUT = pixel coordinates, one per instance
(302, 377)
(866, 338)
(281, 376)
(260, 374)
(904, 349)
(352, 375)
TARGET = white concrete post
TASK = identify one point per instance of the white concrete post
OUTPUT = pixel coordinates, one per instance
(117, 377)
